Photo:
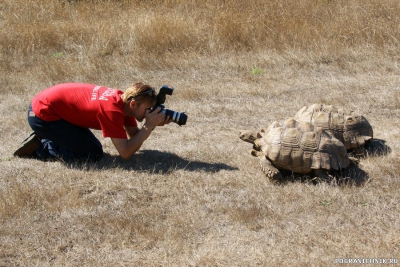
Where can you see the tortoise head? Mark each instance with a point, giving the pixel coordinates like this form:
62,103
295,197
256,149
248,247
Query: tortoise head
360,124
249,135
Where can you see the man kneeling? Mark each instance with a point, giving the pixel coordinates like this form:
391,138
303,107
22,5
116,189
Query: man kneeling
60,117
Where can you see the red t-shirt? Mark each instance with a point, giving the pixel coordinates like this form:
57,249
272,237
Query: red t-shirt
84,105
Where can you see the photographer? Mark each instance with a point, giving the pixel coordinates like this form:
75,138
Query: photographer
61,116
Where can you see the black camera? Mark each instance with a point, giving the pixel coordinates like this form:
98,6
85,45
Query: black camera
177,117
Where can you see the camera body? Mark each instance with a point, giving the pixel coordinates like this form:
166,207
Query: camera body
179,118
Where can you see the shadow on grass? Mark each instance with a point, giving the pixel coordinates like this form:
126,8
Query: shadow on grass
378,148
150,161
351,176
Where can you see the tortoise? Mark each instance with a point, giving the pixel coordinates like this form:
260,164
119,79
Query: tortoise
352,129
296,147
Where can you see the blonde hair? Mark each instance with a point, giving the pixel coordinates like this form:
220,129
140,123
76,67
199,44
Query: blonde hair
136,89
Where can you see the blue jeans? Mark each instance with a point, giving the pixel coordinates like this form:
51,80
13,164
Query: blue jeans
61,139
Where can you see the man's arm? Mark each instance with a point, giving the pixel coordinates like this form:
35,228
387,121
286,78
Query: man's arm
131,131
127,147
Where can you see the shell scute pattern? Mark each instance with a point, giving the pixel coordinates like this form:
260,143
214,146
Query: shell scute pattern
294,146
317,139
352,129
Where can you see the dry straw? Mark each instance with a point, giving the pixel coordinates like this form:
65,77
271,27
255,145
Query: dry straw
193,196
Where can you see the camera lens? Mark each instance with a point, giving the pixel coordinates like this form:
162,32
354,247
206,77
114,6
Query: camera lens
178,117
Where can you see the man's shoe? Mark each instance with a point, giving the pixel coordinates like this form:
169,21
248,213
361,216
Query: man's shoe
28,147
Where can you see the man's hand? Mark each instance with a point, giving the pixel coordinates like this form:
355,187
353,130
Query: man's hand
153,119
167,120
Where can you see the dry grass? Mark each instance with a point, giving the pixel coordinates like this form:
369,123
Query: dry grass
194,196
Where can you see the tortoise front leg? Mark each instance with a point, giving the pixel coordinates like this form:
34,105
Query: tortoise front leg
270,170
323,175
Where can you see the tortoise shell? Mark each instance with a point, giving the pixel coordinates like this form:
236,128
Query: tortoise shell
352,129
297,147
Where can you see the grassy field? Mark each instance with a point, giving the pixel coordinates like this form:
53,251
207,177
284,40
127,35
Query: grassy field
193,195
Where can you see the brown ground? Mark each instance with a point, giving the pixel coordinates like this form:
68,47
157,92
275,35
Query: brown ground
193,196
